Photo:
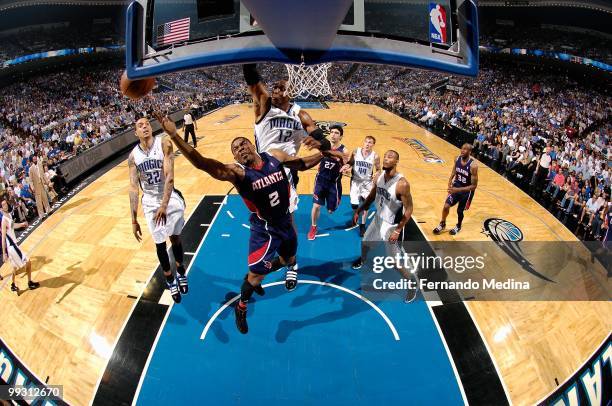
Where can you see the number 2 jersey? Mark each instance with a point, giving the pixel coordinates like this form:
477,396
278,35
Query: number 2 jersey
150,167
280,129
265,190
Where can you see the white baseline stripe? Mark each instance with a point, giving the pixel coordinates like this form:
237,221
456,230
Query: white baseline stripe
246,226
448,353
229,213
310,282
351,228
322,235
371,215
161,328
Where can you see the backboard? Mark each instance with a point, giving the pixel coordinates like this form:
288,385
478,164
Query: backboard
166,36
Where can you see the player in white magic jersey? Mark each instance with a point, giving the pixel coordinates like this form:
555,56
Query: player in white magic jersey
151,166
363,163
393,208
280,124
11,251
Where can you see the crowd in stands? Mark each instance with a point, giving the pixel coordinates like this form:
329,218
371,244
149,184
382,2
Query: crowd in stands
57,116
44,39
514,113
548,39
519,116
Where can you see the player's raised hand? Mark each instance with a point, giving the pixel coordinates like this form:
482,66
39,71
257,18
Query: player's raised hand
167,124
160,216
346,168
137,231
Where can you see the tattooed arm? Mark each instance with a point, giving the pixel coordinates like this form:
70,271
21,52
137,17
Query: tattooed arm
133,192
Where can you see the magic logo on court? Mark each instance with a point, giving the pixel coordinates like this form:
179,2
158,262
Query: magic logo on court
326,125
508,236
421,149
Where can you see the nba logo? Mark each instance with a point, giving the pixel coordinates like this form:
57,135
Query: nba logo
437,23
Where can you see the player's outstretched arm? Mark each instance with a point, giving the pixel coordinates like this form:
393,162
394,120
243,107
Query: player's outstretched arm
316,136
403,193
294,162
304,163
133,193
261,97
218,170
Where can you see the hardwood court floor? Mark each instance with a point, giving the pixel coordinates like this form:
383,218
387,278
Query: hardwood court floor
92,269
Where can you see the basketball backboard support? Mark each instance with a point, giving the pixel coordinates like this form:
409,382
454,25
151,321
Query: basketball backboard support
165,36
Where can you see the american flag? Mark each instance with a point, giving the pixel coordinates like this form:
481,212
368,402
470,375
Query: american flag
172,32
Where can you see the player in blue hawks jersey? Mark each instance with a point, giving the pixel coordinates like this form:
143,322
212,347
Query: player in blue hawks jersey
261,180
461,187
328,182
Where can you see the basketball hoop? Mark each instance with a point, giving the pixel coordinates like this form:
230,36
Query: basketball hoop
308,80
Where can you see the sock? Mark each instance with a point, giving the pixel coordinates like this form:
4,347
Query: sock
293,267
246,291
162,255
177,251
180,269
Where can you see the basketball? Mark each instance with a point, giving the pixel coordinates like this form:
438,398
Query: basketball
136,89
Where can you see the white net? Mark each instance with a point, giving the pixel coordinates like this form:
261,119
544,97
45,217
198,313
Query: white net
308,80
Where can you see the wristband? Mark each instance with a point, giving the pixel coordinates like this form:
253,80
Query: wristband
134,222
397,232
251,76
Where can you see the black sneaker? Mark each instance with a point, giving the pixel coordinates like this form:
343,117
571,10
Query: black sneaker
259,290
182,283
291,278
439,229
174,290
33,285
455,230
14,287
362,230
241,321
357,264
